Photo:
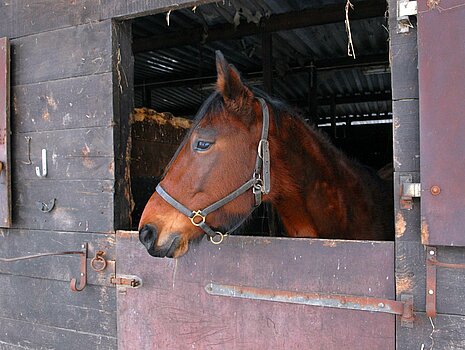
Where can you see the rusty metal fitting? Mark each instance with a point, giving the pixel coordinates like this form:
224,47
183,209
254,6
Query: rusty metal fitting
98,262
435,190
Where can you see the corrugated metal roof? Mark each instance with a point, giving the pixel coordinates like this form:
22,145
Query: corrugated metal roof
292,51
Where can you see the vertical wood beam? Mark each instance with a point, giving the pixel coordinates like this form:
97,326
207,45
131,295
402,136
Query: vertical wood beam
312,94
147,97
123,104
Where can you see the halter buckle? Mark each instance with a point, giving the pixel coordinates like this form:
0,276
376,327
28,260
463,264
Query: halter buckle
197,214
220,240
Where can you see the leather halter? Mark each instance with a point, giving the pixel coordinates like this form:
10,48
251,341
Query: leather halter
259,183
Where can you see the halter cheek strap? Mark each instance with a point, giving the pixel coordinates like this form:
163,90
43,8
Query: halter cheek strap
259,183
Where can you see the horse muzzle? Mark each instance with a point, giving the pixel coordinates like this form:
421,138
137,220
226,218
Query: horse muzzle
148,236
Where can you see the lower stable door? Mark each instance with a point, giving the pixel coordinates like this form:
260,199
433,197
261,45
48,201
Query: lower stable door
257,293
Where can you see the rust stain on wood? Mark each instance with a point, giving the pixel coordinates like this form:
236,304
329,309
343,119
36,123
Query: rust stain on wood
424,232
400,225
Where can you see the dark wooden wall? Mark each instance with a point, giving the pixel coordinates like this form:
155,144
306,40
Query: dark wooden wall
71,94
447,329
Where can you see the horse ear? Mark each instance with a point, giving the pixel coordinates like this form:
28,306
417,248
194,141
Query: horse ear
229,82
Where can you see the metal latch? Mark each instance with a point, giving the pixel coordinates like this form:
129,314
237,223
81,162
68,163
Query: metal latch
405,8
409,190
126,281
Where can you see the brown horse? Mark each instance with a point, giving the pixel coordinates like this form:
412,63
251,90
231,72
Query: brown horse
216,179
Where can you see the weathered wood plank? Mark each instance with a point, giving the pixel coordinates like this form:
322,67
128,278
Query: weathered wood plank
64,53
51,303
406,135
5,131
16,243
43,15
443,332
123,105
80,205
119,8
7,19
28,335
71,154
78,102
404,71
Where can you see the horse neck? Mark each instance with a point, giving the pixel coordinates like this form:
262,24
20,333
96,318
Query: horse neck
307,180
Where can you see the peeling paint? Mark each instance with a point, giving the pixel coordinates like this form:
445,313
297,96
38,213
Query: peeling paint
51,102
401,225
424,232
330,243
46,115
403,284
432,4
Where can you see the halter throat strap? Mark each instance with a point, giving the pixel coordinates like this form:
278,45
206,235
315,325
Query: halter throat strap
259,183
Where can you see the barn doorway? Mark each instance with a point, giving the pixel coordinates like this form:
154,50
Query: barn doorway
299,53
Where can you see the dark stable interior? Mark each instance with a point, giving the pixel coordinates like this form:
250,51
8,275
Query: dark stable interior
295,50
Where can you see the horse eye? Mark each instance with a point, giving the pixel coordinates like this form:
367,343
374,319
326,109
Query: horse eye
202,145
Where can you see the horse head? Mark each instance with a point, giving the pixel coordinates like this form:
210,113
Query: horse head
215,179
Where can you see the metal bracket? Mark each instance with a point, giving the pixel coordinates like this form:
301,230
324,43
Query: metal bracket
83,265
405,8
409,190
83,272
46,207
403,308
431,269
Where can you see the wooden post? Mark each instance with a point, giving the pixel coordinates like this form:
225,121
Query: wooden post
312,94
333,116
147,96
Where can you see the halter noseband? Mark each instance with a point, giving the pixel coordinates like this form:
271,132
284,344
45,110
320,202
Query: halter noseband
259,183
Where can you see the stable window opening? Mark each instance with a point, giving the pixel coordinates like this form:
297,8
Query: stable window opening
295,51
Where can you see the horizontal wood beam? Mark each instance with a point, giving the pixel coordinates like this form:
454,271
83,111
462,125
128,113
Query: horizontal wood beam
378,96
320,65
286,21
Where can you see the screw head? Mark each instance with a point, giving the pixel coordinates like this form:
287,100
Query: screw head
431,252
430,292
381,305
435,190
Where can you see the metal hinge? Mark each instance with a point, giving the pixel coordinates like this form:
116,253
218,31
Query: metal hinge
405,8
431,266
408,191
126,281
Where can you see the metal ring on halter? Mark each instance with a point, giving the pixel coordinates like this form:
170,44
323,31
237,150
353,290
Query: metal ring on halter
197,214
257,188
217,234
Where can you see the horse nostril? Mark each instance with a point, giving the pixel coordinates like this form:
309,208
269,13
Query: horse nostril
148,235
